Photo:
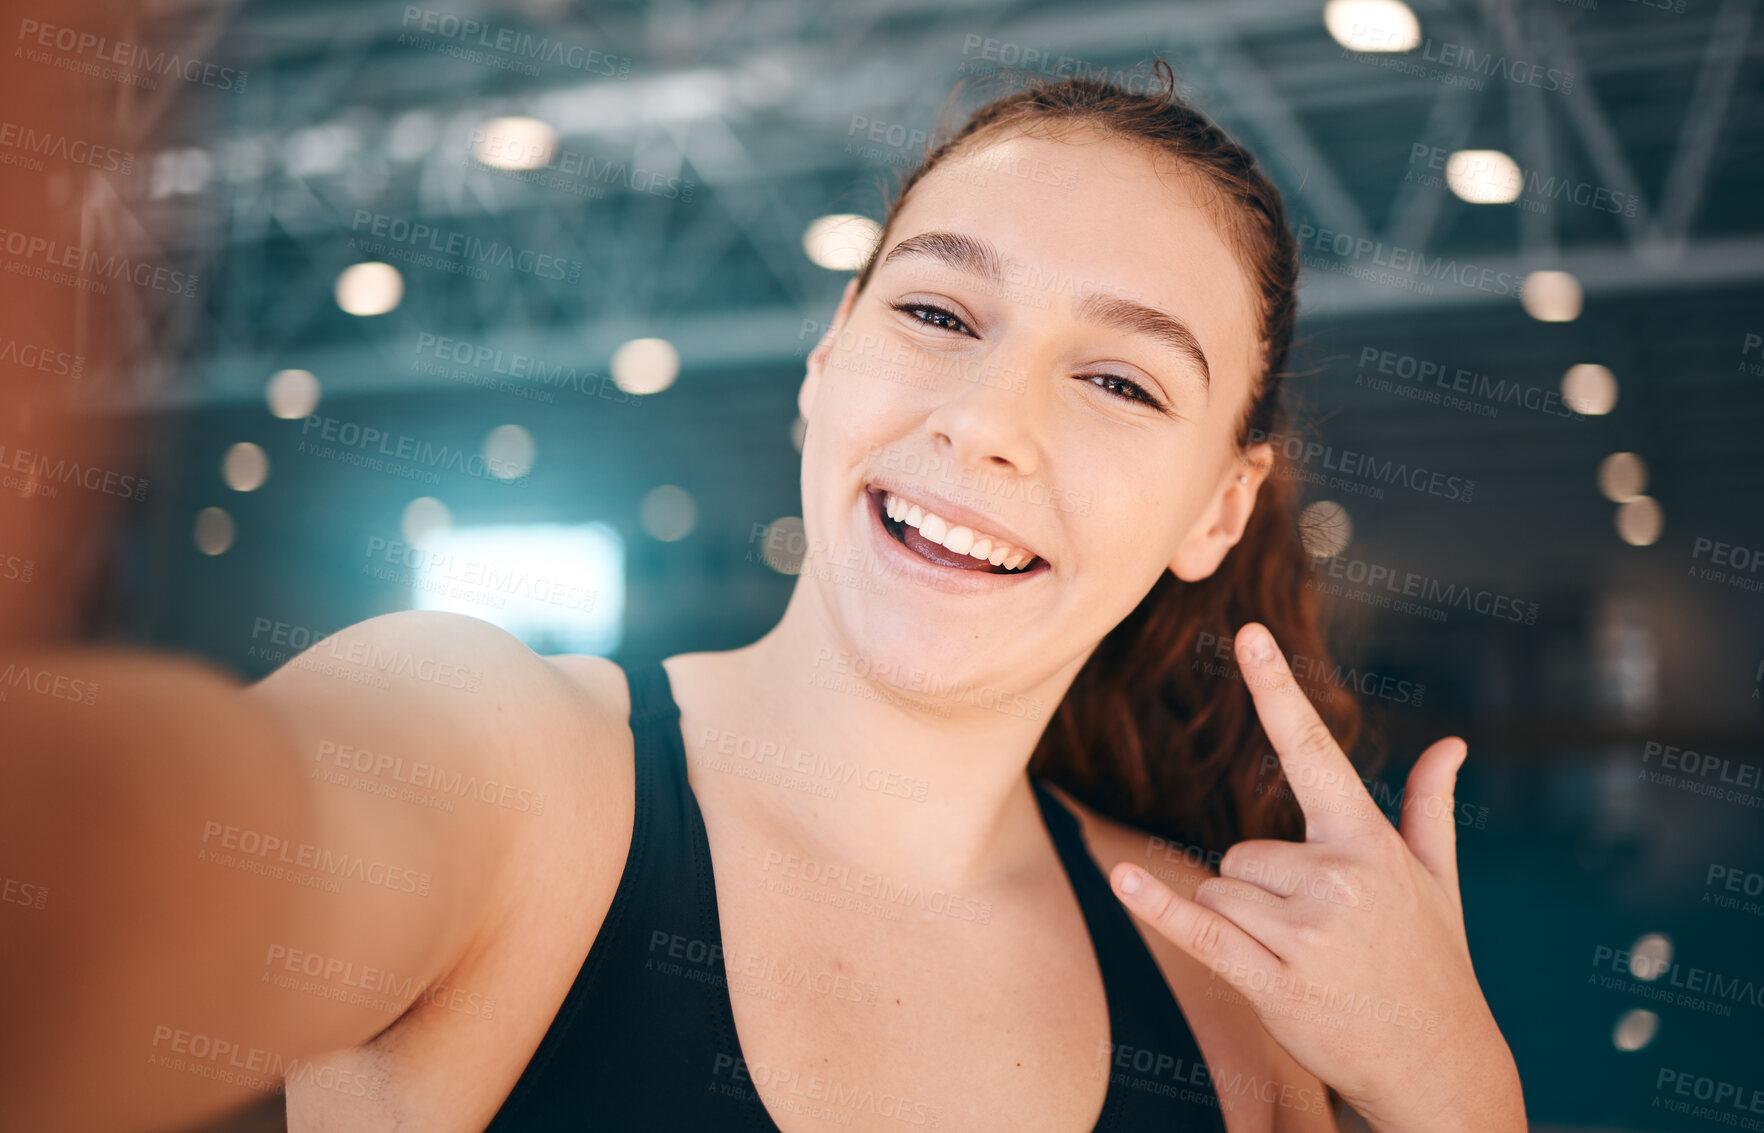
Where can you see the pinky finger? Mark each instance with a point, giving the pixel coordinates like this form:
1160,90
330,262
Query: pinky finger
1214,940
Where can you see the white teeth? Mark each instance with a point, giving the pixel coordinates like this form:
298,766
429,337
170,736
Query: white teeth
961,540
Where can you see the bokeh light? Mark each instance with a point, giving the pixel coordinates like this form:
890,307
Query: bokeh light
1640,521
1372,25
214,531
245,467
371,288
510,450
1590,389
292,394
645,365
1635,1029
669,513
1650,956
841,241
1484,177
1551,296
1325,529
1623,476
514,143
423,518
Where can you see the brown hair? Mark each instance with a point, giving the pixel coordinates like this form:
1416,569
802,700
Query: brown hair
1158,729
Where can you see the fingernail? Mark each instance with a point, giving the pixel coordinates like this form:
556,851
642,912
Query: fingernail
1130,881
1260,643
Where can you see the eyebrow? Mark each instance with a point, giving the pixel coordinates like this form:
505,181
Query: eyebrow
974,256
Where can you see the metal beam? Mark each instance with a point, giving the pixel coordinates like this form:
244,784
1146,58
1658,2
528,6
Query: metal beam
1595,130
1251,93
1689,171
1417,207
1604,270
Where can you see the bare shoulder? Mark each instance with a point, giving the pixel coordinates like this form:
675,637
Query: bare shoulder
602,696
1260,1085
523,769
601,681
544,740
599,710
451,671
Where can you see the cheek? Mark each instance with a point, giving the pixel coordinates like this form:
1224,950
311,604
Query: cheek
868,393
850,424
1137,528
1141,504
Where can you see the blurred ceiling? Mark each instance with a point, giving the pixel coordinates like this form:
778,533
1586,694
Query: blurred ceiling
357,115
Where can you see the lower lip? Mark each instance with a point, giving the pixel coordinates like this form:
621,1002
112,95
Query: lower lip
898,558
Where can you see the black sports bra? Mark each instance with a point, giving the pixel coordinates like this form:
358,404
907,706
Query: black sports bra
645,1039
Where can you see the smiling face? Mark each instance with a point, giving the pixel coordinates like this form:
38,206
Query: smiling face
1056,364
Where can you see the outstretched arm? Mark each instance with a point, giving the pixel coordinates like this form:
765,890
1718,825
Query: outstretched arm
198,847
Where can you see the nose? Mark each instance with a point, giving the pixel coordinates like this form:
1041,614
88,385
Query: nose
986,420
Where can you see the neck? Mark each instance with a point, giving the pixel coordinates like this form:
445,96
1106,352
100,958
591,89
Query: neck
926,776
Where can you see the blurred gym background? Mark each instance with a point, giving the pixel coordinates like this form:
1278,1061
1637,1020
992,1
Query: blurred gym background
502,308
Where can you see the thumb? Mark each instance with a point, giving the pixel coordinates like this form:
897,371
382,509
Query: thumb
1429,819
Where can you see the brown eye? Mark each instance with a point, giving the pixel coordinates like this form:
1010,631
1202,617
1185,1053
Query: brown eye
934,316
1125,388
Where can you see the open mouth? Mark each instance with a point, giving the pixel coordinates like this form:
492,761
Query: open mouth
939,541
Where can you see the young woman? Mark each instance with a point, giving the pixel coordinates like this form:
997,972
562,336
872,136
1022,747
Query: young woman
809,883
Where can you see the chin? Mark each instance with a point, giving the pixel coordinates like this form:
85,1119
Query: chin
925,657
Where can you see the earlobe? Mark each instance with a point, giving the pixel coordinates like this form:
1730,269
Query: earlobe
1223,524
1201,555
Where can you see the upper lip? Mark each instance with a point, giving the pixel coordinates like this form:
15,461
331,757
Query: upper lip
952,511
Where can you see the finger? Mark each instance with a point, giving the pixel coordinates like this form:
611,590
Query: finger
1295,870
1429,819
1323,780
1212,939
1259,913
1279,867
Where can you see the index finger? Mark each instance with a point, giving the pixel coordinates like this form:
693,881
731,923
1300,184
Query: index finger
1323,780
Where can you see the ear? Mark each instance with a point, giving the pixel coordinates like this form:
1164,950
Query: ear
817,359
1222,524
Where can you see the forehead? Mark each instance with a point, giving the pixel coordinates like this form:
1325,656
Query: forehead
1086,214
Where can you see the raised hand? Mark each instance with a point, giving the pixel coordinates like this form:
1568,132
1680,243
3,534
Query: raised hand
1350,945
